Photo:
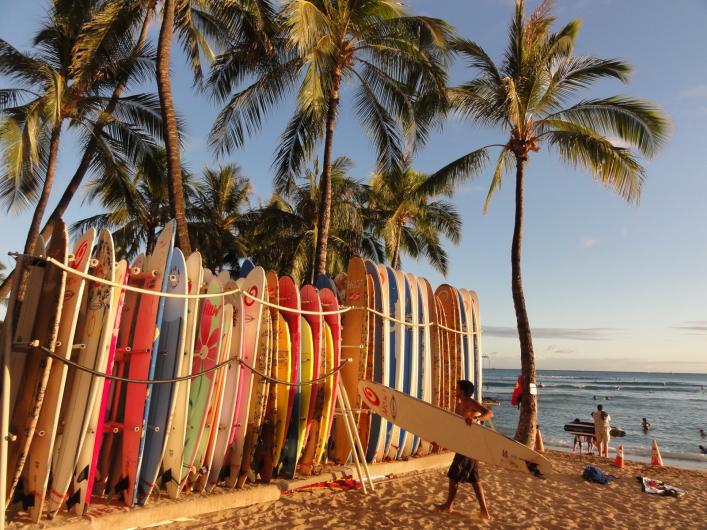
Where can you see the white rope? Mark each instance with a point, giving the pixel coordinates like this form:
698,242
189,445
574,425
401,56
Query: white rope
132,288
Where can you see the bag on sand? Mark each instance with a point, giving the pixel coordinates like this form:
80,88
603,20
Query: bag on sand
594,474
658,487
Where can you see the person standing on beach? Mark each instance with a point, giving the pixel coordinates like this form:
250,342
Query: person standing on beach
602,430
463,468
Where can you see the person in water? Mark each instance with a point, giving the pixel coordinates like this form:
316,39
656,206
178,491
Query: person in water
703,449
645,425
702,433
463,468
602,430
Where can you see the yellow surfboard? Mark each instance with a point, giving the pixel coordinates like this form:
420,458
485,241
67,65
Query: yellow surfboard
327,388
284,373
307,369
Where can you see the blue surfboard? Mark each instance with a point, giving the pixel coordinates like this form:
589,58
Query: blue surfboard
392,364
407,363
246,267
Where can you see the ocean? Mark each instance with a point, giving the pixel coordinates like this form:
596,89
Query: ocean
674,404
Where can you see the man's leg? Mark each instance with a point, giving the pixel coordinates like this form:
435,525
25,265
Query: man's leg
479,490
447,506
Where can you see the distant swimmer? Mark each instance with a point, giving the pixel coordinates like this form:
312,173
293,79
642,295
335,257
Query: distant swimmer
702,433
703,449
607,398
645,424
594,398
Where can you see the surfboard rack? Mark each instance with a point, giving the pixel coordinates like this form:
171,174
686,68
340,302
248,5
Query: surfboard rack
357,453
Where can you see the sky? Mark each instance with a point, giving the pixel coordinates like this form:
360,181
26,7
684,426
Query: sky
608,286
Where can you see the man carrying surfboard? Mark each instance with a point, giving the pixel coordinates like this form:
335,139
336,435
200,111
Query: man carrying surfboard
465,469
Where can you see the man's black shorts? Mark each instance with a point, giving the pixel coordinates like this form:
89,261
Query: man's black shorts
464,469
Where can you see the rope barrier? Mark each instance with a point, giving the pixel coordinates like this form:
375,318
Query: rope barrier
139,290
35,344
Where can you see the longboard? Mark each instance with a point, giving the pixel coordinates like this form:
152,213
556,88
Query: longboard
478,354
85,469
172,471
254,285
283,372
354,345
396,337
45,329
94,332
449,430
168,366
39,457
584,428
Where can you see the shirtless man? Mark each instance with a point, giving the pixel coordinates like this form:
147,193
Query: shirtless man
464,469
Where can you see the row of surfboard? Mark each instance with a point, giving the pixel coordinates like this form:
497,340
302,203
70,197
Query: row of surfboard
211,421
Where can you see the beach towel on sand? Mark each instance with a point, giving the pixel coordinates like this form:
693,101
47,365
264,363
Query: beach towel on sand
658,487
594,474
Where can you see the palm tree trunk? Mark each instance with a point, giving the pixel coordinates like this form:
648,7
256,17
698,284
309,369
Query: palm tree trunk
85,163
325,184
527,421
395,259
169,123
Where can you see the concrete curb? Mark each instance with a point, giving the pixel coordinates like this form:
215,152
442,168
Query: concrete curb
165,510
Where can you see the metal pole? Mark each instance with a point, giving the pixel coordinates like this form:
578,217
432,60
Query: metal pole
357,439
7,332
346,412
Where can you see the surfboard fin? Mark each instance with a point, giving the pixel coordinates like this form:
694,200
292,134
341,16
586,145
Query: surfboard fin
83,475
27,501
121,485
165,477
74,499
534,470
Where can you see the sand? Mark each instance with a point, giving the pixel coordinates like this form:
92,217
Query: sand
564,500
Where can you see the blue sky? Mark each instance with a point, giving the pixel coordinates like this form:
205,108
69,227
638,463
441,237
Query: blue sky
608,286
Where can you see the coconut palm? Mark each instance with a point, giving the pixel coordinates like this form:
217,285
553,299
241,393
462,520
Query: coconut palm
202,27
533,95
136,204
283,233
221,199
55,90
409,221
395,63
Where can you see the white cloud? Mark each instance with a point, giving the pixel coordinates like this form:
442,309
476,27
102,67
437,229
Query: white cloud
697,91
589,242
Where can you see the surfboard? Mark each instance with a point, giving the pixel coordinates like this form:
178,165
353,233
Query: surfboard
354,346
448,299
172,471
84,471
203,461
396,309
283,373
37,366
254,285
265,452
168,366
449,430
93,331
311,302
207,350
332,330
434,353
445,356
425,367
36,473
410,362
144,343
232,374
467,354
478,353
468,337
258,399
364,420
289,297
246,267
584,428
378,349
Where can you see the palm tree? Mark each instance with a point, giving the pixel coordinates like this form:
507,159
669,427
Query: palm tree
137,204
221,200
530,96
200,26
57,88
395,62
282,235
410,221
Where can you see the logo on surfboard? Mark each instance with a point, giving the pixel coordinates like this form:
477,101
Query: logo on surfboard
371,396
253,291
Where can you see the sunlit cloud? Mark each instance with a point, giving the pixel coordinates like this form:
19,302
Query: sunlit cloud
589,242
697,91
553,333
693,327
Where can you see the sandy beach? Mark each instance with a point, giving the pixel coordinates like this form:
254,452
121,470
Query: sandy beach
564,500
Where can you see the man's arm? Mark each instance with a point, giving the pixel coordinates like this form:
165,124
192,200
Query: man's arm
475,411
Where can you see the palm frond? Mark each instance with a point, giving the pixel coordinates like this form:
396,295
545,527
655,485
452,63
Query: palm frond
503,164
465,167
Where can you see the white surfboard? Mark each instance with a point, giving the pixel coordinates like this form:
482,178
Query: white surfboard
451,431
